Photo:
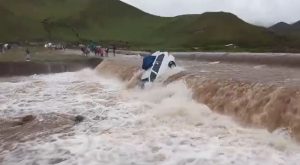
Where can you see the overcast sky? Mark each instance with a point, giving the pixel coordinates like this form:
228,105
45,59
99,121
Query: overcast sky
260,12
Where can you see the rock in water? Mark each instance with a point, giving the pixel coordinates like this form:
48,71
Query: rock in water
78,119
27,119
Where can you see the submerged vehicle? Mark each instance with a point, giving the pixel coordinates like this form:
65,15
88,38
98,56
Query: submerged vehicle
155,65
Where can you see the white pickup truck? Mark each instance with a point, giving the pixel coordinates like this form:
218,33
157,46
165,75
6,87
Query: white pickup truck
155,65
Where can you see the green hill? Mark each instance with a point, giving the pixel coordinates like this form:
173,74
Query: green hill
114,21
219,29
74,19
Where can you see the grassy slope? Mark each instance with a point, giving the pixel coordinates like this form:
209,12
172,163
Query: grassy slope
211,29
112,20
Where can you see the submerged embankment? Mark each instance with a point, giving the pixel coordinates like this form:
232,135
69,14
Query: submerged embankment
273,59
255,95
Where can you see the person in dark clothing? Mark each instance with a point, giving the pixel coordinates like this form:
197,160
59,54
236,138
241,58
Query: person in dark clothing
8,47
28,55
82,50
106,52
114,49
1,48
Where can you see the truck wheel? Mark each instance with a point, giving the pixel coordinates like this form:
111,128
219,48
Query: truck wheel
172,64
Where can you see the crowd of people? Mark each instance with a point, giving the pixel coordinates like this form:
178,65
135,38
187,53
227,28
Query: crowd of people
87,50
97,50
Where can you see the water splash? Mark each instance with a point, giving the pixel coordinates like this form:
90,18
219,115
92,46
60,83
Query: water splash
162,125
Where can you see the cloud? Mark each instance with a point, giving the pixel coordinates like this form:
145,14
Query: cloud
260,12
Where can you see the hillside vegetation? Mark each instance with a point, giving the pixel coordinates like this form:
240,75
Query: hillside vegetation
112,21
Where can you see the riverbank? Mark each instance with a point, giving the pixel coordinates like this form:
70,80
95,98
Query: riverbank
43,61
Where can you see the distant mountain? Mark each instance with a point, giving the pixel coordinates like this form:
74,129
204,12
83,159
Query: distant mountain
296,25
286,29
290,31
281,27
295,32
114,21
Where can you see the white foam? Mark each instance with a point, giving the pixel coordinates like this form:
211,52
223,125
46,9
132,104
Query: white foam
161,125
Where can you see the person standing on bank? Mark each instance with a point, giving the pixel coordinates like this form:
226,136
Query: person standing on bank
114,49
28,55
106,52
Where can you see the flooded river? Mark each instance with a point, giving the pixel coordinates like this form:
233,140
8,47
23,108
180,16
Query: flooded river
161,125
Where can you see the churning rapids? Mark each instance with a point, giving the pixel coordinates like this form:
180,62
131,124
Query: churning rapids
161,125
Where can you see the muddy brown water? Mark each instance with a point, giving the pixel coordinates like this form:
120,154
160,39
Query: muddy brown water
255,95
164,124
